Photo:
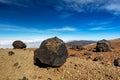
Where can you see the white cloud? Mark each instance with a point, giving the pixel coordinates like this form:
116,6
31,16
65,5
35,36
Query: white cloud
100,28
24,29
99,23
15,2
112,6
17,28
63,29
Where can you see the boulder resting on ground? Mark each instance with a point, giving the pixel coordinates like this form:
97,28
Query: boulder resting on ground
103,46
51,52
19,44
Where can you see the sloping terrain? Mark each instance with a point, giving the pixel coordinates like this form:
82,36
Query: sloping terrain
81,42
107,56
19,66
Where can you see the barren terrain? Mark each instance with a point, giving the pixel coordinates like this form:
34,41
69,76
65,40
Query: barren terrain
19,66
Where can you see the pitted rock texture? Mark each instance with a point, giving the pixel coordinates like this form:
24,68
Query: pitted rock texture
52,52
19,44
103,46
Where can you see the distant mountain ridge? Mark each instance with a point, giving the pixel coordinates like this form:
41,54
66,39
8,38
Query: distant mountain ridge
80,42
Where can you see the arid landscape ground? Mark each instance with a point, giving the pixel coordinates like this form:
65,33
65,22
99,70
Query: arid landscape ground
78,66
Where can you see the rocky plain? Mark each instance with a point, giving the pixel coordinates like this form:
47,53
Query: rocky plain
89,62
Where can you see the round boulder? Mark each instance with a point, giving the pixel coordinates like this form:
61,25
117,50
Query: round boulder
117,62
19,45
103,46
52,52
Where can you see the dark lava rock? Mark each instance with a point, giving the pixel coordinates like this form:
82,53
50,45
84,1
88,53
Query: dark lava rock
117,62
77,47
52,52
49,79
103,46
98,58
87,53
16,64
24,78
73,55
10,53
19,45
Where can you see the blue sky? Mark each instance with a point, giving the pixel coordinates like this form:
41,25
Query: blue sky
67,19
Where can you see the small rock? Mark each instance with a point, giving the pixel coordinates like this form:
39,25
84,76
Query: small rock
19,67
87,53
24,78
117,62
49,79
72,55
98,58
59,69
10,53
40,77
16,64
48,68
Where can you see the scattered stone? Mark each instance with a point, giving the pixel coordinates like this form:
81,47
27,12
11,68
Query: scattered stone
110,77
19,67
76,66
117,62
98,58
77,47
24,78
72,55
16,64
87,53
103,46
40,77
73,47
48,68
59,69
10,53
19,45
52,52
49,79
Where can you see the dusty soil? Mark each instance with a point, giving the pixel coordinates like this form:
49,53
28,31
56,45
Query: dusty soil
79,67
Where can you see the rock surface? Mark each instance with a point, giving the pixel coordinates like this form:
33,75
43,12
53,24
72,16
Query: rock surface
52,52
103,46
19,44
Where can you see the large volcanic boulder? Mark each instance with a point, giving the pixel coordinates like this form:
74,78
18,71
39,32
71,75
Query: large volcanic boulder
19,45
52,52
103,46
